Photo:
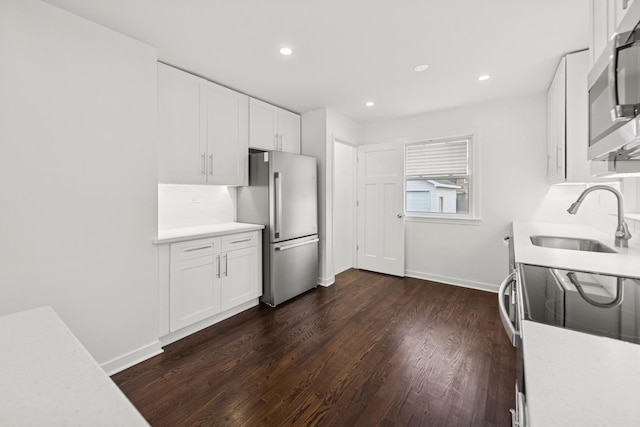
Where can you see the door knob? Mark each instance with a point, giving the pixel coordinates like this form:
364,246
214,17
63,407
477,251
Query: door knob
400,215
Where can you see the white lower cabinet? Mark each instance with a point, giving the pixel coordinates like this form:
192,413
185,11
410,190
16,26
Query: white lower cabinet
238,277
212,275
195,290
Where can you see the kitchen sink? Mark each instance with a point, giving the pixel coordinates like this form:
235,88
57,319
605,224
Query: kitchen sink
571,243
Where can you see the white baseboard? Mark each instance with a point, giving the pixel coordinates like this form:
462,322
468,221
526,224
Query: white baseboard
453,281
188,330
132,358
143,353
326,281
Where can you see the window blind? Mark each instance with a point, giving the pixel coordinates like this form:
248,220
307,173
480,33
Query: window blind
438,159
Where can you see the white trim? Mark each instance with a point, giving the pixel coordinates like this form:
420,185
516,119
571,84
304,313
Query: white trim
453,281
191,329
344,141
326,282
443,219
134,357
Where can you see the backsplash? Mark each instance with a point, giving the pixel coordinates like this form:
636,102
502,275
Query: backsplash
193,205
601,209
598,210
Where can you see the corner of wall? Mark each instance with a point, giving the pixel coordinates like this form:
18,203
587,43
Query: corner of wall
132,358
326,281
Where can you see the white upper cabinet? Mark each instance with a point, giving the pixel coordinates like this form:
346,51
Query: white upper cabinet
567,121
605,16
263,125
556,140
289,125
203,131
227,136
272,128
180,127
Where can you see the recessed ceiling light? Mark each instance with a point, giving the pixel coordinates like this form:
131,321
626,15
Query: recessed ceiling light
286,51
420,67
484,77
369,104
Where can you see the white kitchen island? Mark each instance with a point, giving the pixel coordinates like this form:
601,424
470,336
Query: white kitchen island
48,378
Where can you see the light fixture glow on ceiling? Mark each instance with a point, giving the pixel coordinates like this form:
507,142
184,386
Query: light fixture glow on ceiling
286,51
484,77
421,67
369,104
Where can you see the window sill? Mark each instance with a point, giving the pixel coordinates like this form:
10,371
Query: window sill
443,219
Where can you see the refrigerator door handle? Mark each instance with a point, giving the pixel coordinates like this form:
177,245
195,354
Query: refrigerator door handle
277,178
308,242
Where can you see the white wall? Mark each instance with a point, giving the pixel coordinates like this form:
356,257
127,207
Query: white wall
78,179
319,130
513,187
193,205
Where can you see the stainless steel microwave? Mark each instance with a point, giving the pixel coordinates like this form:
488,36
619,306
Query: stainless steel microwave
614,94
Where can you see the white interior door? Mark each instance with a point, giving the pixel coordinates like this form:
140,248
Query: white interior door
380,208
344,207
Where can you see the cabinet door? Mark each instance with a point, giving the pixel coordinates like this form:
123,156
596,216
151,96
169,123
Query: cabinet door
263,125
556,126
621,6
289,131
227,136
577,118
194,290
181,129
240,277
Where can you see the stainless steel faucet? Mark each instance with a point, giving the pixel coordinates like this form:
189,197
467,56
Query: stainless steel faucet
622,232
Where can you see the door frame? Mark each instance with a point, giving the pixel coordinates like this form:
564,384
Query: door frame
354,213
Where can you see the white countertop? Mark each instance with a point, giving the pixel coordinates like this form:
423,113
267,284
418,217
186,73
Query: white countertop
573,378
624,263
48,378
170,235
576,379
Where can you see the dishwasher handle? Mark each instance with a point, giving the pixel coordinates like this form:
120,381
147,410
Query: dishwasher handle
512,332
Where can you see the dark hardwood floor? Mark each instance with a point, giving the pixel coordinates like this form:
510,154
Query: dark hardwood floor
369,350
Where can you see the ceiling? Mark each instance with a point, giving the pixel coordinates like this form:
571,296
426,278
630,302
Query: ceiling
348,52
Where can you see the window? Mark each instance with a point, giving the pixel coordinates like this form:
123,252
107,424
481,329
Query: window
438,179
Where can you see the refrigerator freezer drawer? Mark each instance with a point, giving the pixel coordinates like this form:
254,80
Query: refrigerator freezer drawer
293,269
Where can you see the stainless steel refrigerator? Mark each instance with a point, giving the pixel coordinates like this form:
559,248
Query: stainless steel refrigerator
282,195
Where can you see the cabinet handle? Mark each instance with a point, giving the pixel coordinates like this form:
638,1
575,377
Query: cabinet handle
225,265
625,4
241,241
275,141
198,248
210,164
280,138
559,158
218,266
203,164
